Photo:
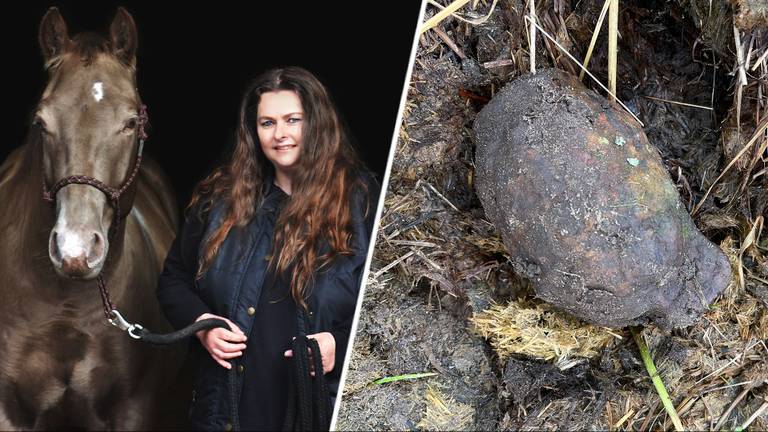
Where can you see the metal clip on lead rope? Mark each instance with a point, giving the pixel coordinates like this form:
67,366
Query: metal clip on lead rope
118,321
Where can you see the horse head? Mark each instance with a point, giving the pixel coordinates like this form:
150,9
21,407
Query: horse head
90,122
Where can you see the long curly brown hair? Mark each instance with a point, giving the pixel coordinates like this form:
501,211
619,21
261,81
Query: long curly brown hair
317,216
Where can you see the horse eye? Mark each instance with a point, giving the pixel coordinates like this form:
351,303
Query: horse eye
131,124
39,123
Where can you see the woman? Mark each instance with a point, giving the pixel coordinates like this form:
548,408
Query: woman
282,229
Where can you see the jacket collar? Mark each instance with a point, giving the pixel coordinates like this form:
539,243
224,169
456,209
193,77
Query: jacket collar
274,198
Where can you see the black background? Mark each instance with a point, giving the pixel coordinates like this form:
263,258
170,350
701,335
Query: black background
195,58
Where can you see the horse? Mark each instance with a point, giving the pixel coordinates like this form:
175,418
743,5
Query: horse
65,222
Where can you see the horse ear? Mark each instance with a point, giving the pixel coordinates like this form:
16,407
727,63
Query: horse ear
124,37
53,34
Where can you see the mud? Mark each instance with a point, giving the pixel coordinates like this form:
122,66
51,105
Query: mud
399,337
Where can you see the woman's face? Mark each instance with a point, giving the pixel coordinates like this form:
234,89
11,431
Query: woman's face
278,123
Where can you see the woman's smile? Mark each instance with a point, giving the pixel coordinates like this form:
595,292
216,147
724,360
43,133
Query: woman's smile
285,147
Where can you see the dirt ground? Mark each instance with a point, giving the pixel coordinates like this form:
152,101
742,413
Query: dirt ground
441,279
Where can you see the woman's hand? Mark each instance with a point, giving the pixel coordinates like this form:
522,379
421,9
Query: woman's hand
327,349
221,343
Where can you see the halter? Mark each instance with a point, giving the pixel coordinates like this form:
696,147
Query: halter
113,197
134,330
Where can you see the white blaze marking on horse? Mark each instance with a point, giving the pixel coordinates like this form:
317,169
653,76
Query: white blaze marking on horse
98,91
72,246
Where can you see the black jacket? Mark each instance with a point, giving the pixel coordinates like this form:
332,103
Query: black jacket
232,286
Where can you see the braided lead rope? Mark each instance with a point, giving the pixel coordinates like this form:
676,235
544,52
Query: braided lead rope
105,300
301,417
320,395
309,399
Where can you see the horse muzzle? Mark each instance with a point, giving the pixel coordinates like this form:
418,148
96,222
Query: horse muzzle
78,244
77,253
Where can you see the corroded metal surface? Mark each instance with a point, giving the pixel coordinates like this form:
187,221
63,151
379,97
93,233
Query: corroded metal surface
582,199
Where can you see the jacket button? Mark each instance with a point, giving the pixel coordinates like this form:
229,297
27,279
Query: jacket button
240,368
251,311
228,427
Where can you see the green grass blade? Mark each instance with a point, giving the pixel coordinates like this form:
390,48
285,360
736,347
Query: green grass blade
404,377
657,383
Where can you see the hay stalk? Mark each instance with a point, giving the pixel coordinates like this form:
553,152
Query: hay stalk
443,14
532,35
613,50
592,42
760,129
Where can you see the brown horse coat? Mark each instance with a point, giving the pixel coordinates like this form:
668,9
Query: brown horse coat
61,364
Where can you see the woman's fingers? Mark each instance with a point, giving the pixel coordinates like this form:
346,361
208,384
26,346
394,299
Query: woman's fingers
327,345
222,344
234,327
225,365
227,347
225,355
227,335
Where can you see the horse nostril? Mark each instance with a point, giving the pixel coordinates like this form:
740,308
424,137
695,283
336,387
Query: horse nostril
96,253
53,247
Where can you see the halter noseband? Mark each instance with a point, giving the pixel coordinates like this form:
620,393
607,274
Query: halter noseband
113,194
